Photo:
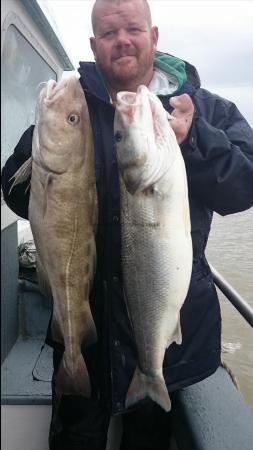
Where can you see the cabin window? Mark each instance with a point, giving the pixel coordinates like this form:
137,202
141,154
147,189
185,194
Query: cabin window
23,69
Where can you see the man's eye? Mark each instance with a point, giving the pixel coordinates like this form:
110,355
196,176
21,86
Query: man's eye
109,33
134,30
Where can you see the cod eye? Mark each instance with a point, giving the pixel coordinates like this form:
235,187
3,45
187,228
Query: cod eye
118,136
73,119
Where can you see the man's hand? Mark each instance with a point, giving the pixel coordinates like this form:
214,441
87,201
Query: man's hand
181,116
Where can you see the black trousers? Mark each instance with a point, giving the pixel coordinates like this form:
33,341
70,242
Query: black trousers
82,424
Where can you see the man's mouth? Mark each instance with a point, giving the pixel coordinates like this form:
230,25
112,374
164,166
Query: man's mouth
122,57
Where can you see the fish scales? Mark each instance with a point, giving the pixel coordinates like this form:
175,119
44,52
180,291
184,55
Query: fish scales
156,238
62,214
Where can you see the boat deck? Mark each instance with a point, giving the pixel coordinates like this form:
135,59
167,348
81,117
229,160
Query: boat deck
211,414
27,373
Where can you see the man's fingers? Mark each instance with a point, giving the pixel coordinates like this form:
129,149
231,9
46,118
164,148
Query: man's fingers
181,116
182,104
175,124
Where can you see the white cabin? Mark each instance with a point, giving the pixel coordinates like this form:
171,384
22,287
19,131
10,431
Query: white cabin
31,53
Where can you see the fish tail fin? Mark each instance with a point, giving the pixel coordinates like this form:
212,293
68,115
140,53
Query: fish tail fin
73,379
22,174
143,386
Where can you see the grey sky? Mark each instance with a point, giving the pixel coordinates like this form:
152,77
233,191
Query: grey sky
216,36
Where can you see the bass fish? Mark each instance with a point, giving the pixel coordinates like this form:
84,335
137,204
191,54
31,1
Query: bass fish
62,214
156,235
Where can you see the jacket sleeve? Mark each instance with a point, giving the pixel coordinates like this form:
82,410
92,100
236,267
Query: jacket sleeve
218,156
18,198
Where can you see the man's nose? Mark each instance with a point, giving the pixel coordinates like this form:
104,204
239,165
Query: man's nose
123,37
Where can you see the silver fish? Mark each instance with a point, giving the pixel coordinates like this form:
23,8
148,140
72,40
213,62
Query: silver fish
62,214
156,235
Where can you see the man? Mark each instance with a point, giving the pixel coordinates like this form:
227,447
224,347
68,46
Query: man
217,146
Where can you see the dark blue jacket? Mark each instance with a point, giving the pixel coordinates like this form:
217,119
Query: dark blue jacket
219,161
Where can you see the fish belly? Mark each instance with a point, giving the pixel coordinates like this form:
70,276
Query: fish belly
157,259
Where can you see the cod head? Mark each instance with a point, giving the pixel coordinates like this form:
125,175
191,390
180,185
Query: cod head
61,125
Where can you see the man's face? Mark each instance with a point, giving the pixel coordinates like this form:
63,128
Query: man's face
124,44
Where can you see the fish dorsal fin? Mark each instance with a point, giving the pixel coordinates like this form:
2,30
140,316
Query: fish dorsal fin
49,179
22,174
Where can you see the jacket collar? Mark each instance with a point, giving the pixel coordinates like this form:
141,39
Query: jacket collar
93,83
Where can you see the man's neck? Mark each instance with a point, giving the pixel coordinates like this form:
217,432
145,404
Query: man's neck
130,87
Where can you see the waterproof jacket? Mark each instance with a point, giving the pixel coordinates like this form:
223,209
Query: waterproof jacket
218,155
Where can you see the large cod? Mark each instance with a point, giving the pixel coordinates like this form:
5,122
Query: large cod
156,235
62,214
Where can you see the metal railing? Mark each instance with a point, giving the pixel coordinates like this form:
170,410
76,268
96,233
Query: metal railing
232,295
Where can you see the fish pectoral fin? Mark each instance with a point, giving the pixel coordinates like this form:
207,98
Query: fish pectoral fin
56,331
22,174
48,183
89,332
143,386
73,378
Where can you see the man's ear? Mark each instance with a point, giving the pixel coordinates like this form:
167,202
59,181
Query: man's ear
93,46
154,35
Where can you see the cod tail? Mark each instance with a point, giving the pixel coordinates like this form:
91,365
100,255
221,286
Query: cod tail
73,379
143,386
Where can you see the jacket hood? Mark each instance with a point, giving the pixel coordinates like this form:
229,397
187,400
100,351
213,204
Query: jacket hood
172,66
93,83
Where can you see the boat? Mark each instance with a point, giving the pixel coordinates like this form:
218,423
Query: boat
209,415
